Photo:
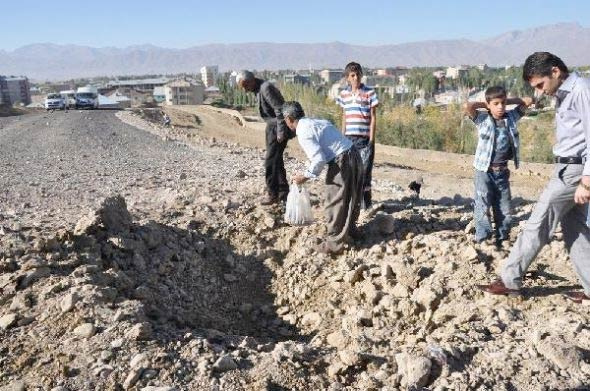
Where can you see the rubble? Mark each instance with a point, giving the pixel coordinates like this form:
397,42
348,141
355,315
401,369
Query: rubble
165,284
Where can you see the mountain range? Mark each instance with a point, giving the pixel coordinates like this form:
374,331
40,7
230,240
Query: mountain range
47,61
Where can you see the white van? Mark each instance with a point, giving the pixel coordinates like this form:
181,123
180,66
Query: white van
87,97
54,101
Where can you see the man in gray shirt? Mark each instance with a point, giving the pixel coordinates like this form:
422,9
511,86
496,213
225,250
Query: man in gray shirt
566,197
270,102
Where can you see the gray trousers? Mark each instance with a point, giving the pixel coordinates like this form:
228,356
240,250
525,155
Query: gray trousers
555,205
344,183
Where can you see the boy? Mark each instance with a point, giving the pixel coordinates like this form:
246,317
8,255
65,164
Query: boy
359,121
497,144
324,145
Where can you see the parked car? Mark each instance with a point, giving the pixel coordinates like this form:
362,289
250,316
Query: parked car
54,101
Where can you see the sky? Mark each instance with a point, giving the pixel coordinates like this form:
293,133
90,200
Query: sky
182,24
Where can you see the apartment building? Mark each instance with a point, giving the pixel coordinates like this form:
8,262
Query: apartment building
182,92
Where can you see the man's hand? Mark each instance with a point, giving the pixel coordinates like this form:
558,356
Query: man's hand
280,137
582,195
298,178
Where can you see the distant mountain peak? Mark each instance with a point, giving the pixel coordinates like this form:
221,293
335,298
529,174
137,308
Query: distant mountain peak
58,62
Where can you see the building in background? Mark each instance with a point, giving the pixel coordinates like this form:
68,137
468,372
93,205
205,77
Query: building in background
296,78
182,92
15,90
145,85
330,76
209,75
456,72
4,97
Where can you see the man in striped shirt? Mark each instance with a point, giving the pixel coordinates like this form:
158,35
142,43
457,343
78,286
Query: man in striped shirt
359,121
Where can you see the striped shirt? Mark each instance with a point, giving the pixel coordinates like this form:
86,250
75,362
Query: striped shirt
357,109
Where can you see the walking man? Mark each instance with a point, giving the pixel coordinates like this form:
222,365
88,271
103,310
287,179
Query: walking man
566,197
270,103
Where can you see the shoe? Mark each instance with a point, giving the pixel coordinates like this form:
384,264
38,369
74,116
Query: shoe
498,288
269,200
576,297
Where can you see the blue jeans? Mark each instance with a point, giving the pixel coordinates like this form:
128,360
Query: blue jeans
492,191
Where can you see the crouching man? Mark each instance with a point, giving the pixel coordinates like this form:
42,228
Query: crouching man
324,144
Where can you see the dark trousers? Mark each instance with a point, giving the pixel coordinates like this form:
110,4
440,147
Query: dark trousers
343,189
367,153
274,166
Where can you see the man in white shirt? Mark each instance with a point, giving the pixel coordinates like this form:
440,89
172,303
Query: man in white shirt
324,144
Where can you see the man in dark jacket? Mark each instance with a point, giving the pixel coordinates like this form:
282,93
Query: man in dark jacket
270,102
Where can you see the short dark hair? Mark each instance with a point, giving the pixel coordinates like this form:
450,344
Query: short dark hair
495,92
353,67
541,64
293,110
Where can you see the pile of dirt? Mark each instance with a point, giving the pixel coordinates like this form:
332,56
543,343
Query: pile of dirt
200,288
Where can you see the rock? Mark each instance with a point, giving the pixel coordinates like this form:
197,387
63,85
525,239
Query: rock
132,378
426,296
288,350
139,361
337,340
364,318
415,369
385,223
85,330
33,276
20,303
311,319
8,321
269,222
140,332
560,352
469,253
355,275
111,216
161,388
400,291
225,363
68,302
17,385
336,368
386,271
350,358
117,343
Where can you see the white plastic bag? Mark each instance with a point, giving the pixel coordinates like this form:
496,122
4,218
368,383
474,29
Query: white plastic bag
298,208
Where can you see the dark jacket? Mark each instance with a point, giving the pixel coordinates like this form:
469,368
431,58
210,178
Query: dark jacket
270,106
